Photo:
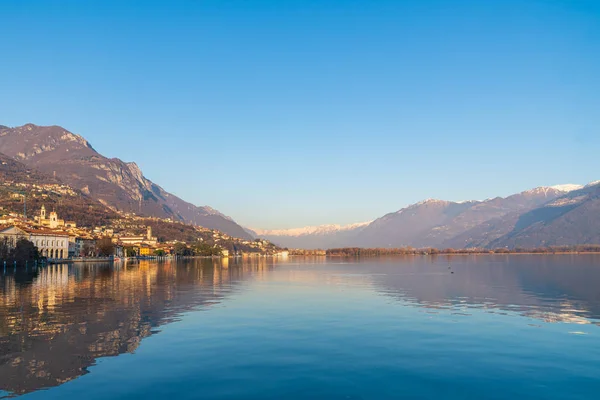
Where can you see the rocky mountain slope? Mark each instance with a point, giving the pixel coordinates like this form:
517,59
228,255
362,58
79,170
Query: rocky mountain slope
117,184
13,171
500,210
567,220
408,226
17,181
434,223
520,220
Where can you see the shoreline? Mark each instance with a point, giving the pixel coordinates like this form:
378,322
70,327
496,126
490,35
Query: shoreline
513,253
113,261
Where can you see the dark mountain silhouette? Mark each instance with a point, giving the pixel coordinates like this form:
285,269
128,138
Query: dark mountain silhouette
117,184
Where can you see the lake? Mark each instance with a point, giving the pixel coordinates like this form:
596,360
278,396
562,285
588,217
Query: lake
446,327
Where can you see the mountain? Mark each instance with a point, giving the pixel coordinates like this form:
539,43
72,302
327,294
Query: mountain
13,171
40,189
117,184
311,237
432,223
493,218
571,219
437,223
410,225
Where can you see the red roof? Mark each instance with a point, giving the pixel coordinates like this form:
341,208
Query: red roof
46,232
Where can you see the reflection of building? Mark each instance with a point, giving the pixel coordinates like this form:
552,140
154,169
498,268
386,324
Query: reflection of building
52,222
50,244
58,323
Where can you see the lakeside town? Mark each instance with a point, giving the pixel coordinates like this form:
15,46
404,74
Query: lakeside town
94,231
57,240
48,237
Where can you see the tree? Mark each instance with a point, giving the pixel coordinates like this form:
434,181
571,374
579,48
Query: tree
159,253
206,250
105,247
181,249
88,249
24,251
5,248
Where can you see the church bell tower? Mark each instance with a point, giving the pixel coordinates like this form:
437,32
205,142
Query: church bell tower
53,220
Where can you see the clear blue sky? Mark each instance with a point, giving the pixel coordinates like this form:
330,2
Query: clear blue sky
291,113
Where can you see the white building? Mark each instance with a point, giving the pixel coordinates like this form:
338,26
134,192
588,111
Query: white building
50,244
141,239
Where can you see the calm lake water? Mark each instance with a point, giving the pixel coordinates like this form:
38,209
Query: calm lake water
473,327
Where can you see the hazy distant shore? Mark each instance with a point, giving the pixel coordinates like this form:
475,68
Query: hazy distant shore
354,251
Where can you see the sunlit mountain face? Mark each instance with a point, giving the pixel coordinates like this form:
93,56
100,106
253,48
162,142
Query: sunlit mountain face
117,184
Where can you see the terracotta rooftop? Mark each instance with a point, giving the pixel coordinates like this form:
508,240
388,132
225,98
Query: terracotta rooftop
47,232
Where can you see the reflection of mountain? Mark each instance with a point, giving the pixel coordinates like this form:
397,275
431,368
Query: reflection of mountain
550,288
53,327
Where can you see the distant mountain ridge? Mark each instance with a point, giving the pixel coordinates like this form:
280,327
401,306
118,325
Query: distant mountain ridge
544,216
567,220
310,230
321,236
117,184
495,222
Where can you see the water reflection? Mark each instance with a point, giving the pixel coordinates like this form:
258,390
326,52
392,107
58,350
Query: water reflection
302,317
57,320
562,288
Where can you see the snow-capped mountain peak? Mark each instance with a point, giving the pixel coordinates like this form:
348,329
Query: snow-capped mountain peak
426,201
310,230
568,187
545,190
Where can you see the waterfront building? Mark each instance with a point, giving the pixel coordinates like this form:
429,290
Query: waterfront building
51,244
145,250
148,239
